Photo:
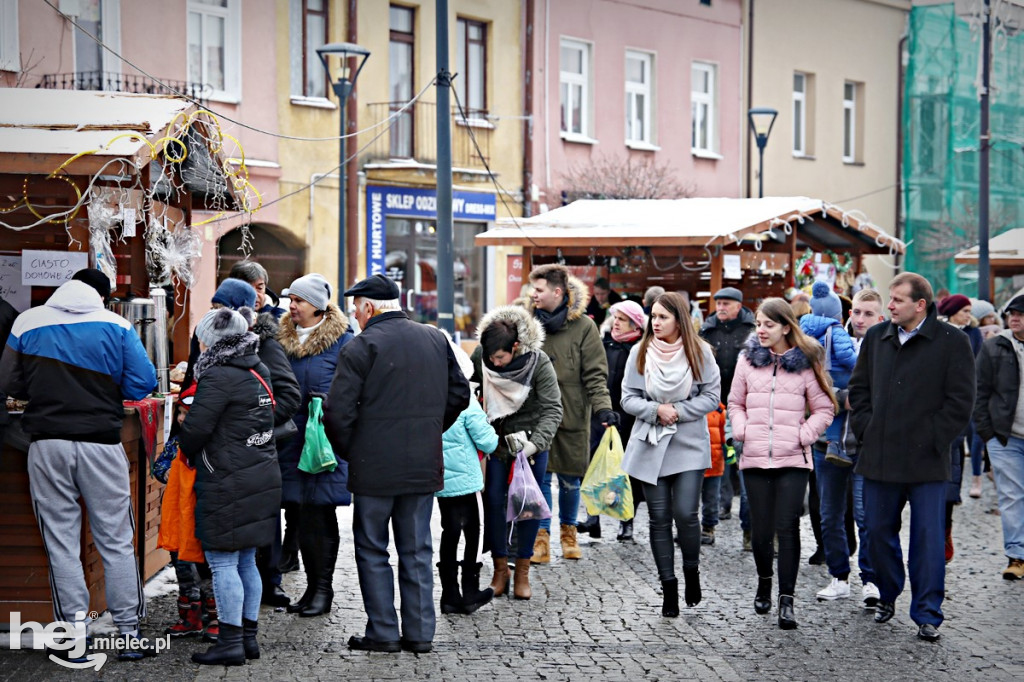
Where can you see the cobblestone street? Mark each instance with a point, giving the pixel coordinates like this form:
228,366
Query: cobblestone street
599,618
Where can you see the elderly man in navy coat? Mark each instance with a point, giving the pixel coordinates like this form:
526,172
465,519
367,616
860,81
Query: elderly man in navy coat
397,388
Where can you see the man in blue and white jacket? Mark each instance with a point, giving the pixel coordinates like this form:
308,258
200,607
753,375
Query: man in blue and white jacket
75,362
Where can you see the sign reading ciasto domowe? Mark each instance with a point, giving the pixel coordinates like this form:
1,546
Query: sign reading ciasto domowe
414,202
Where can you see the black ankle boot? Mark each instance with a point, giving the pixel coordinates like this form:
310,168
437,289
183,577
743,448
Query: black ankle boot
472,596
692,591
670,605
249,644
451,598
592,525
763,596
227,651
787,620
625,531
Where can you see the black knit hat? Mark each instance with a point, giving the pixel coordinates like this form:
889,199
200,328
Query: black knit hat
97,280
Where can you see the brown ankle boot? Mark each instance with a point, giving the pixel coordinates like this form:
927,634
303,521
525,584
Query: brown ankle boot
570,548
542,548
499,583
521,589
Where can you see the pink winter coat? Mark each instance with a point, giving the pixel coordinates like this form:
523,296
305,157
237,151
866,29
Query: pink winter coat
769,397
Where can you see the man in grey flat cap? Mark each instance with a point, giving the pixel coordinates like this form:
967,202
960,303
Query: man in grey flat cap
397,388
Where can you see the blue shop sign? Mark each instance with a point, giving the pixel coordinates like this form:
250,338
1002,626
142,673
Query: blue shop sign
413,202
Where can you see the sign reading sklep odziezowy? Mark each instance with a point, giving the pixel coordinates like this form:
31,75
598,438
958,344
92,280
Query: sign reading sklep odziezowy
414,202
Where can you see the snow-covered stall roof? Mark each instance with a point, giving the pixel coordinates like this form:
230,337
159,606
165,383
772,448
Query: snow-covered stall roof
1006,249
690,222
41,128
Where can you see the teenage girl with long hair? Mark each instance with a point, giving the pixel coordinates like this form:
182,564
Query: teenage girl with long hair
780,403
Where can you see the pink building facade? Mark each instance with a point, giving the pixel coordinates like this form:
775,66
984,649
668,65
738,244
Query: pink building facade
655,81
213,51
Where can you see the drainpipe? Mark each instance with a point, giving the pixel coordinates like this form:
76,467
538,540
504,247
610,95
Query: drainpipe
750,85
353,226
529,8
902,71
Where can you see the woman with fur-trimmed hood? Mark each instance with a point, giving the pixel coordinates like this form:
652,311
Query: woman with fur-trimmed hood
312,335
524,405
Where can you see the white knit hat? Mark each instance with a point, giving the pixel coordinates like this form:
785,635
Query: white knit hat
222,323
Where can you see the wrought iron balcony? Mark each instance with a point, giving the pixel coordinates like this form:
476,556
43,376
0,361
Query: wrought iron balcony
110,81
413,136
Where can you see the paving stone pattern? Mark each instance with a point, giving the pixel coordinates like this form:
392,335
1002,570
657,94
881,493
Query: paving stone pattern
599,619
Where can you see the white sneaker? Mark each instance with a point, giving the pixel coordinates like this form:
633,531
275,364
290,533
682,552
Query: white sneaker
871,595
837,589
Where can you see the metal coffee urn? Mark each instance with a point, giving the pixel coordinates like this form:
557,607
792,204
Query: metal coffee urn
149,318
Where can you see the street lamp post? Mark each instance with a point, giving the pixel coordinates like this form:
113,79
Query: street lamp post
761,121
343,86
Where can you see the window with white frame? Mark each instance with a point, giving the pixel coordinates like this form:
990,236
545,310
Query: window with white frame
799,114
10,58
214,46
95,67
471,64
703,109
639,97
849,122
574,86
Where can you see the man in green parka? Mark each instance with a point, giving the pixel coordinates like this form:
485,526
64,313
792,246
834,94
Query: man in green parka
559,302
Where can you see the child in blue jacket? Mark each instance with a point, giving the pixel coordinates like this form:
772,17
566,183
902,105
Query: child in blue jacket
459,502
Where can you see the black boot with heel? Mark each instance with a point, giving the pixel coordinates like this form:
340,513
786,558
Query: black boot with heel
692,593
787,619
763,596
670,603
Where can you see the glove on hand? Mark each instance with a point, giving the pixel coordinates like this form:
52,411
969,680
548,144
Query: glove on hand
516,441
529,449
609,417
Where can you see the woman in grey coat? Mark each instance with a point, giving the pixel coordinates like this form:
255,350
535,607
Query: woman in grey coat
671,383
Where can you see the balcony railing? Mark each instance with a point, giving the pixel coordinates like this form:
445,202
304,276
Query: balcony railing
413,136
110,81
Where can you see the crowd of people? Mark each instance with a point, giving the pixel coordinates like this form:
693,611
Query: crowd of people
295,411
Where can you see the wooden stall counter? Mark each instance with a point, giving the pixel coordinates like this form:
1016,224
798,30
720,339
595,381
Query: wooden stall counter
24,578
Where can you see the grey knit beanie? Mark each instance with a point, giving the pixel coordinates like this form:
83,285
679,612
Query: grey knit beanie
313,288
222,323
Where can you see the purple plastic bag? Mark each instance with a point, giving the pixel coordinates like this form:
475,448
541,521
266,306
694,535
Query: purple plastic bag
525,501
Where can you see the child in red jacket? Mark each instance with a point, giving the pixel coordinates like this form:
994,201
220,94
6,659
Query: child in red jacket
713,476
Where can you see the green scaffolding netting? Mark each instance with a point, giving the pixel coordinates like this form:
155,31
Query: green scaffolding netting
941,124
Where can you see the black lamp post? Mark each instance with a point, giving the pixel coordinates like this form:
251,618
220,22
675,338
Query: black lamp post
343,88
761,121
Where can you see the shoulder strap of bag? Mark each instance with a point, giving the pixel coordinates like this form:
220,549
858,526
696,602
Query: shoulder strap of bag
269,392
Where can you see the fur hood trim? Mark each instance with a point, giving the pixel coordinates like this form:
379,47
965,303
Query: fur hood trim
531,333
334,326
579,294
266,326
226,350
793,360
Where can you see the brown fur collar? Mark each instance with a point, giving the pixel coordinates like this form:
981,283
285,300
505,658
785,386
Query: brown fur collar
334,326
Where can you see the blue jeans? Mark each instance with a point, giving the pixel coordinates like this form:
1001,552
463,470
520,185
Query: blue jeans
495,508
883,511
568,498
1008,470
977,449
832,486
236,585
710,506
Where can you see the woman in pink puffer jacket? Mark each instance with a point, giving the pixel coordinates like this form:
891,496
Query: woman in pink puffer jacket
780,379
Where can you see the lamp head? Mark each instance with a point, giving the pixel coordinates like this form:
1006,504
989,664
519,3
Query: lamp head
346,75
761,121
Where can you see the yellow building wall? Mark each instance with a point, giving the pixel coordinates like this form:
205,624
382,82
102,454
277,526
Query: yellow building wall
312,214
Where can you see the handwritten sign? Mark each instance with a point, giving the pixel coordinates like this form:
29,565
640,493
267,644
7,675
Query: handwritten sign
11,288
50,268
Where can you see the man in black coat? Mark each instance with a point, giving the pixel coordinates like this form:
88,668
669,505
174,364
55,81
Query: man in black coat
397,388
911,394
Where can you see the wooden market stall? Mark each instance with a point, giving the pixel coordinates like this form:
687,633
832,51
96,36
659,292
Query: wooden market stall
697,245
1006,262
108,181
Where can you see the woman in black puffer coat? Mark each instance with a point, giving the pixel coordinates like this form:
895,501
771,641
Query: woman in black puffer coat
312,335
228,437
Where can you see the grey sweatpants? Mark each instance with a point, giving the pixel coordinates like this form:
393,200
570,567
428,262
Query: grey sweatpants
61,471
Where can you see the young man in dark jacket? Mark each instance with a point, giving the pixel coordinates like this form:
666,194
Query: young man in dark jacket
75,362
397,388
911,394
999,418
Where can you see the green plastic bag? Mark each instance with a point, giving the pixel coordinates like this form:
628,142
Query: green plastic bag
317,454
606,489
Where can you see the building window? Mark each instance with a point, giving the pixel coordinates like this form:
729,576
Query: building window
10,58
314,35
400,53
574,85
471,65
803,106
102,19
852,144
704,113
214,46
639,90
